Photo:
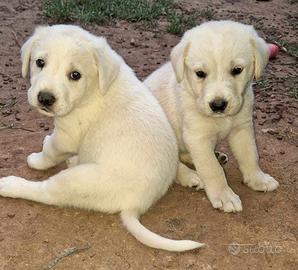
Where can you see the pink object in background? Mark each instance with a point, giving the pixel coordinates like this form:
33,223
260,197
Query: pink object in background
273,50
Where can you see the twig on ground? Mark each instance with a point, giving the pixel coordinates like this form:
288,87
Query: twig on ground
284,49
64,253
11,104
12,126
15,38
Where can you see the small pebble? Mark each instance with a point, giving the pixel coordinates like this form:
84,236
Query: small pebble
272,131
290,121
132,42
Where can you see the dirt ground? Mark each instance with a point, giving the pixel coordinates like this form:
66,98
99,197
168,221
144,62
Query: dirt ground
263,236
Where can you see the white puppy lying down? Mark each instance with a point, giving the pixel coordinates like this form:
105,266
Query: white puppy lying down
207,95
127,151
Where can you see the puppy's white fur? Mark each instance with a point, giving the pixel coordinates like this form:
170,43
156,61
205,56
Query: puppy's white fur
215,48
126,150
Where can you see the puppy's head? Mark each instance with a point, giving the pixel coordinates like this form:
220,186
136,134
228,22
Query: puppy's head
68,67
217,62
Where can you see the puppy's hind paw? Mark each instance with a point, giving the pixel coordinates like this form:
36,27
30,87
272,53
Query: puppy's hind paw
195,182
261,182
36,161
190,179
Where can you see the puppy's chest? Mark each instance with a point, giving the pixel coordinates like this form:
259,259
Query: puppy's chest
222,128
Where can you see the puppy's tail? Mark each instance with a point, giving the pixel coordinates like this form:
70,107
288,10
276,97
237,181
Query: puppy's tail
133,225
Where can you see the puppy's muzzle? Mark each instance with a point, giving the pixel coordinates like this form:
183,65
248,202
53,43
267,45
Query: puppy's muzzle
46,99
218,105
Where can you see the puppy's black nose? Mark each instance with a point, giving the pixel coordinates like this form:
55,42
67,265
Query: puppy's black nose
46,99
218,105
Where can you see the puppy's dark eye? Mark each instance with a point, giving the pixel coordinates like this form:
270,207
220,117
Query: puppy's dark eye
236,71
40,63
74,75
201,74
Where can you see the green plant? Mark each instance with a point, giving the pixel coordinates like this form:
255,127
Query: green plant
262,83
179,23
290,48
90,11
207,13
109,11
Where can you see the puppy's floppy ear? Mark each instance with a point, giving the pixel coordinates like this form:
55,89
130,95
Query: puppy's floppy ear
261,53
108,64
26,55
27,48
177,59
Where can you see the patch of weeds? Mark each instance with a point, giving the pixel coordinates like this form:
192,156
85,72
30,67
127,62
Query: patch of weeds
293,85
59,10
109,11
179,23
262,83
290,48
207,13
104,11
294,91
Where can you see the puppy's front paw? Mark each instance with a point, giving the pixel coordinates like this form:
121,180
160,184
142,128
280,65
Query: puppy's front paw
261,182
37,161
10,185
225,200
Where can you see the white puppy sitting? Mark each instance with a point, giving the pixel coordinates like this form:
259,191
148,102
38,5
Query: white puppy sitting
207,95
126,150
